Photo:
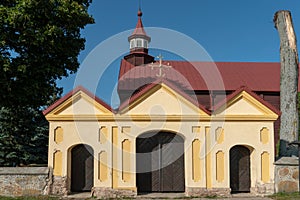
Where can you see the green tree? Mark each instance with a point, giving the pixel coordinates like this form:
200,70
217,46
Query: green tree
23,138
40,41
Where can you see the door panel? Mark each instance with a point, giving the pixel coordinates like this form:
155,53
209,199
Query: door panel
165,155
156,163
144,163
167,168
240,180
82,168
178,171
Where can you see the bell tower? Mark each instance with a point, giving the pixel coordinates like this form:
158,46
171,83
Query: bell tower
139,42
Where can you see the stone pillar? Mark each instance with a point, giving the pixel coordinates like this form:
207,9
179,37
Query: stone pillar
286,175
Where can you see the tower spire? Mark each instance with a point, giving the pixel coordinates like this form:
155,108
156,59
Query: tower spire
139,41
139,33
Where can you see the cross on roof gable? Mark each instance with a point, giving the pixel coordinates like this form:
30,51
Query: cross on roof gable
259,77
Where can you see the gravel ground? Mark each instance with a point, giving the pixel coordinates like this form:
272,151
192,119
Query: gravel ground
162,196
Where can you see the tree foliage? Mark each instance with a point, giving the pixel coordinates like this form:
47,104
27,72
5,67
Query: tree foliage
40,41
24,137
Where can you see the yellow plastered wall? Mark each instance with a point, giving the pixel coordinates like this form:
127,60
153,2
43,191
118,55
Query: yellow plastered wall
219,135
164,101
243,106
220,169
126,169
57,163
208,158
196,160
246,134
237,132
82,104
103,134
264,135
115,157
265,167
242,133
103,168
58,135
196,129
126,129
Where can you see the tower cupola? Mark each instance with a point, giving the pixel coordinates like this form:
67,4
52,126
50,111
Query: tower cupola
139,40
139,43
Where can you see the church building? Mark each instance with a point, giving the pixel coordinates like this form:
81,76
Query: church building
180,127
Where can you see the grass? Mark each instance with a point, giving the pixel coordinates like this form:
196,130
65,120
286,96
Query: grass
30,198
286,196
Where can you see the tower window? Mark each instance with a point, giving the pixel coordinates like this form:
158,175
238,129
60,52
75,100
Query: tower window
139,43
132,44
145,43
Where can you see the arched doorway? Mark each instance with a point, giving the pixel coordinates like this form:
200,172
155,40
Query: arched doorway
160,162
240,180
82,168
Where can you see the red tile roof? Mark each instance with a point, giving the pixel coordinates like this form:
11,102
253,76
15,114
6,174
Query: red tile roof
203,76
246,89
70,94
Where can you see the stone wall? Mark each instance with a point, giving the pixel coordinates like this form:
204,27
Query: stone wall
263,189
24,181
287,174
59,186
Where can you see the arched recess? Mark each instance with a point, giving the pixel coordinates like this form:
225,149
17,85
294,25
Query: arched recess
240,169
160,162
82,168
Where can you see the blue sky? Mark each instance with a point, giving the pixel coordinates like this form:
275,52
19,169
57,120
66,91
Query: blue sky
231,30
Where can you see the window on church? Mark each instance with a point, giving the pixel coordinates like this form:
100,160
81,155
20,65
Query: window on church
139,43
145,43
132,44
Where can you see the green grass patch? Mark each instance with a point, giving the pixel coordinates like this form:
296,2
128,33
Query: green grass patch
30,198
286,196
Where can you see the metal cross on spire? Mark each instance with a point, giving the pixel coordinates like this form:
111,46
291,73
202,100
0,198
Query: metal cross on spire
160,67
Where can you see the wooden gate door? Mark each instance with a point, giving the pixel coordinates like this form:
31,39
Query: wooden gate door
82,168
240,180
164,154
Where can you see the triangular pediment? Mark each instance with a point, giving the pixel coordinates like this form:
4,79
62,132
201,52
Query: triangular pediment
81,104
77,103
244,104
162,100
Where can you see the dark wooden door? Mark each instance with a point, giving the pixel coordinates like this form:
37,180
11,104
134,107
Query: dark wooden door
82,168
160,163
240,180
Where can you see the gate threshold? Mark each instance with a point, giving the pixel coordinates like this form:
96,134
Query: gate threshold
170,195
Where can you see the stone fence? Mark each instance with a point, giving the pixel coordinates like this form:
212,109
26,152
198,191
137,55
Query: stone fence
24,181
31,181
287,174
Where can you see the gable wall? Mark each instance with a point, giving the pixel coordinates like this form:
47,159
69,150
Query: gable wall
88,132
247,134
114,139
164,102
